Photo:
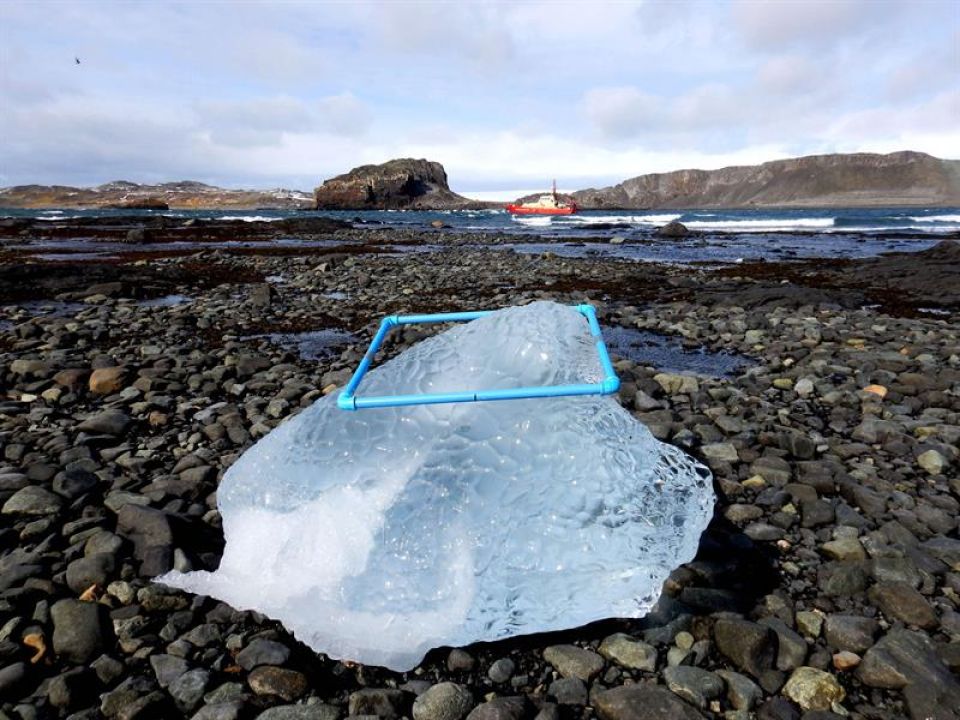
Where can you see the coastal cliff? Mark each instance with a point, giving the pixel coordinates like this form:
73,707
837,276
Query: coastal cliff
403,184
184,195
851,180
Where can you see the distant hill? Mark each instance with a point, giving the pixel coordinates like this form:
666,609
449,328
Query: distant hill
402,184
184,195
854,180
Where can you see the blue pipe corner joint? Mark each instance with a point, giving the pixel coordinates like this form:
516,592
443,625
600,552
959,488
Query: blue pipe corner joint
349,400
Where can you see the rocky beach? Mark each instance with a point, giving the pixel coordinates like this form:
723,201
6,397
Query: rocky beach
824,396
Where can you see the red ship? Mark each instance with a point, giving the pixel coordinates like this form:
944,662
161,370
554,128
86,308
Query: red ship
544,205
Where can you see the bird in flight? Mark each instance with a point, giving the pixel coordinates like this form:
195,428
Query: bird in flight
76,60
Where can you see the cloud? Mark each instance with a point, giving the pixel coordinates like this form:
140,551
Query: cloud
773,24
503,94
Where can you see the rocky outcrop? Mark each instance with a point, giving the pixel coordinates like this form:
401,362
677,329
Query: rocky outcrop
121,194
398,184
854,180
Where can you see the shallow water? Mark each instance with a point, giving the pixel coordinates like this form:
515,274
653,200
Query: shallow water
313,344
668,354
165,301
33,308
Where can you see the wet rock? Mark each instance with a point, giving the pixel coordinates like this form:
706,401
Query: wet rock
673,229
573,661
443,701
642,702
813,689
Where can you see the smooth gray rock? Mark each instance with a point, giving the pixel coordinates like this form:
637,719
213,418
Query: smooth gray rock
263,652
569,691
109,422
693,684
573,661
850,632
91,570
80,630
32,500
501,670
443,701
629,652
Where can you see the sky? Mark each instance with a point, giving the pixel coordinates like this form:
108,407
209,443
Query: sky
507,95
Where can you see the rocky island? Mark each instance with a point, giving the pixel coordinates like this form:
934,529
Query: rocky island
404,184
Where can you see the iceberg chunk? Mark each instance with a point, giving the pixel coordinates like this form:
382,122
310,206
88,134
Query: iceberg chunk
377,535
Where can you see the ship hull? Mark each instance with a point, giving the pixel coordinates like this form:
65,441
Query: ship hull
521,210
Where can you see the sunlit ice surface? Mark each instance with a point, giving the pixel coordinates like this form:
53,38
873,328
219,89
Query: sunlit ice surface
379,534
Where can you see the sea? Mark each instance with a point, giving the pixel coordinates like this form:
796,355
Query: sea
719,236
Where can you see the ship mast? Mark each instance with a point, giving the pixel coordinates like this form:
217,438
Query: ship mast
554,190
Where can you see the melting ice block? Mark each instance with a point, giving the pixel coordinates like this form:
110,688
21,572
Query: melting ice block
378,534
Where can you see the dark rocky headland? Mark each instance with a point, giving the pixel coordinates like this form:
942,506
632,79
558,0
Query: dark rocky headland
827,585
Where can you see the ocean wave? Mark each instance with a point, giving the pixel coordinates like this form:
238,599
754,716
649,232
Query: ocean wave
936,218
629,219
534,221
250,218
772,224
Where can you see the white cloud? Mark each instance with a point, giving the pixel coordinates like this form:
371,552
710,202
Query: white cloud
505,95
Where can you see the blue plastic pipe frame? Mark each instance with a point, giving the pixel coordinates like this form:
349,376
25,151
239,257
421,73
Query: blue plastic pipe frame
348,400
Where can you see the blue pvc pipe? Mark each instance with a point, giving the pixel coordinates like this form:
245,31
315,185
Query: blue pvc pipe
347,399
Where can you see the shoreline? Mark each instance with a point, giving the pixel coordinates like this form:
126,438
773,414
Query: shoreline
832,553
